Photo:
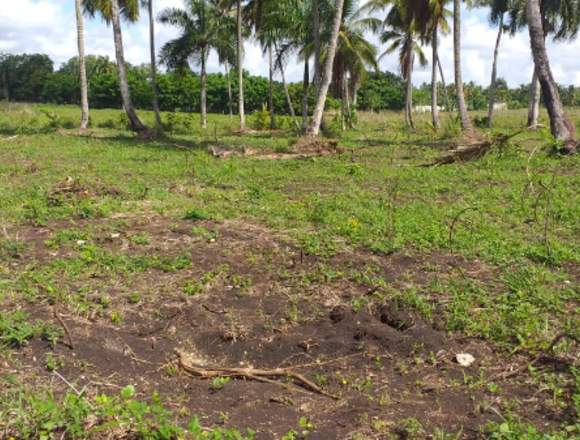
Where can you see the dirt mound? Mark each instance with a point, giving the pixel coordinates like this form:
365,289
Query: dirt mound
71,187
315,145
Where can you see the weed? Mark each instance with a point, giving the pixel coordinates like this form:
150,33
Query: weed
15,330
219,382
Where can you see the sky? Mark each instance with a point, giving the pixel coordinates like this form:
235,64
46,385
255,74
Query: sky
48,26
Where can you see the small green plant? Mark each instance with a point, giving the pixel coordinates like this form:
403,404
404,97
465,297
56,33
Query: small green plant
140,239
15,330
52,362
134,298
49,333
219,382
196,214
412,429
11,248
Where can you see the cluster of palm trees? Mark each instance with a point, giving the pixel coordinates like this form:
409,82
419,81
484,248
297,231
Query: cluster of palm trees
330,38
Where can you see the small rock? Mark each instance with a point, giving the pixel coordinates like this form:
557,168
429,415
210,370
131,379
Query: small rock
464,359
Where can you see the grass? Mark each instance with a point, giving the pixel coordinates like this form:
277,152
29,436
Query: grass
516,211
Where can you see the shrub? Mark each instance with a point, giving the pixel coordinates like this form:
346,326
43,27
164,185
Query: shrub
179,123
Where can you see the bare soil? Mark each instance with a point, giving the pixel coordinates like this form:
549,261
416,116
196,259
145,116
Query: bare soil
268,305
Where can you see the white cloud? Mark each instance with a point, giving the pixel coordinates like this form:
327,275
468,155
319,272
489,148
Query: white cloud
48,26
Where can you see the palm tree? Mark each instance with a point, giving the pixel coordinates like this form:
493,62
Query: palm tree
82,67
466,125
497,13
561,127
314,127
153,67
200,33
437,23
240,63
111,11
294,35
263,16
401,31
354,55
560,19
225,46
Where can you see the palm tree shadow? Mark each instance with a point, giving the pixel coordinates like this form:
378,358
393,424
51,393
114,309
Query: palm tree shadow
157,143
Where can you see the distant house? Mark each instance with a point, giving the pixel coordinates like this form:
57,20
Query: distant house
426,108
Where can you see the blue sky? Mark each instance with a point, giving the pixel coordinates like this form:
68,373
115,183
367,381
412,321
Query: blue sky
48,26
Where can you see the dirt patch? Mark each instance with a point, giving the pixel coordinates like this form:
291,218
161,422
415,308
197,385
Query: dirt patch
251,299
71,187
304,148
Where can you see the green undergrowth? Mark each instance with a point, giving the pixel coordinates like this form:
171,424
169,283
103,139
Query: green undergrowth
514,212
40,414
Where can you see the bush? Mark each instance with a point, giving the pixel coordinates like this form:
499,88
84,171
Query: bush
260,120
179,123
56,121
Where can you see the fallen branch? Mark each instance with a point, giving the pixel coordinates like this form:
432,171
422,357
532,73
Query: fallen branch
260,375
70,343
474,150
8,139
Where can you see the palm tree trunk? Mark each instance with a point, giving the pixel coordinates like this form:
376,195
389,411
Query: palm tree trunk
534,105
203,88
349,121
229,85
288,97
271,87
343,98
134,121
240,55
492,86
158,124
409,91
314,127
434,107
82,67
5,85
462,108
317,45
444,84
305,84
560,126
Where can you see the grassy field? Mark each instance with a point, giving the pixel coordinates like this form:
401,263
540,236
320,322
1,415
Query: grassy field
128,265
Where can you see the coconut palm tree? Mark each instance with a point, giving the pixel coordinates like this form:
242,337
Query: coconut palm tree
498,10
225,46
560,20
560,125
199,24
82,67
294,38
263,16
402,34
466,125
237,7
314,126
354,55
111,12
437,23
153,66
240,63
